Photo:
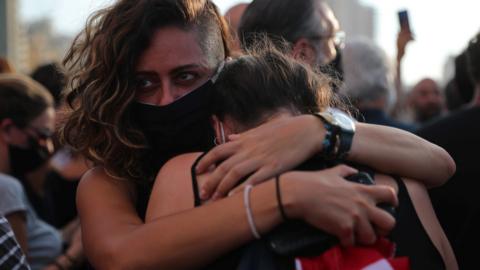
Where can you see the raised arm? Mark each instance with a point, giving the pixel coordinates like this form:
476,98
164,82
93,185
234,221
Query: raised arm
278,146
116,238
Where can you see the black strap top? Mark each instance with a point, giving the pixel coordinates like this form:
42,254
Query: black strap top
410,236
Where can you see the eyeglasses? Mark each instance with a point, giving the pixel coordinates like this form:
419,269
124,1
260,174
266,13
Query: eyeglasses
338,38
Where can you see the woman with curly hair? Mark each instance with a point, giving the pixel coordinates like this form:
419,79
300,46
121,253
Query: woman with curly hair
140,87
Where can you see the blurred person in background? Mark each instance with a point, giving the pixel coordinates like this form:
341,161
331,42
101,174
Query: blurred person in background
460,89
26,125
369,83
309,26
57,180
5,66
426,101
50,76
456,203
233,17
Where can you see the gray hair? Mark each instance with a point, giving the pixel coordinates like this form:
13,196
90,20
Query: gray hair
280,19
367,72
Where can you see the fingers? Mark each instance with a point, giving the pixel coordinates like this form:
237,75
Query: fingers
365,233
233,137
383,194
382,221
343,170
258,177
235,174
347,235
215,156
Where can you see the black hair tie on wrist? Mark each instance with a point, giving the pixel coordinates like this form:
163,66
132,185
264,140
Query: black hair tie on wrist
279,199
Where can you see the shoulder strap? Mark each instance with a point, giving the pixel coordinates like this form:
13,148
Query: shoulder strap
196,195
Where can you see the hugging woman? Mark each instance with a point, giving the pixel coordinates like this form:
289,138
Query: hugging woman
133,71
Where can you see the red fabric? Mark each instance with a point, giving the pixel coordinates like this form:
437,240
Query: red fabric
378,256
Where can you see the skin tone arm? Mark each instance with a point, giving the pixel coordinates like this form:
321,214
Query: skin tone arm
385,149
18,223
426,213
169,197
404,37
116,238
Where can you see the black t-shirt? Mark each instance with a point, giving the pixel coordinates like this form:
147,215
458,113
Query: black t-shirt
457,203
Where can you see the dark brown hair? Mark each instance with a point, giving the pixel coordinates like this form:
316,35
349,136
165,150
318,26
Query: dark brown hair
473,56
279,19
101,64
266,80
22,99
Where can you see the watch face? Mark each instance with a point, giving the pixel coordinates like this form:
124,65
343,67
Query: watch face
344,121
341,119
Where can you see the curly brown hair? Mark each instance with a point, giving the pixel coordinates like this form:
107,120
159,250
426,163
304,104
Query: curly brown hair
100,66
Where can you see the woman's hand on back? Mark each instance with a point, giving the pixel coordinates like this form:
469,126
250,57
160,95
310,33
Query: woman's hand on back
260,153
342,208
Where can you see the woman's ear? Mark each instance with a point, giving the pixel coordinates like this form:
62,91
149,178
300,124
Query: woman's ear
222,129
10,133
6,126
217,127
303,50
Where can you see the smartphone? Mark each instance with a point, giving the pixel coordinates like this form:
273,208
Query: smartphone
404,20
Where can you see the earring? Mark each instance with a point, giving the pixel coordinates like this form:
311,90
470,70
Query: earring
215,141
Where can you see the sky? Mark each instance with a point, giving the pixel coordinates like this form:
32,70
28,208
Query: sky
442,28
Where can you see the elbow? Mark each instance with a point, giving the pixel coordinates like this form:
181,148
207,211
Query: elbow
451,167
111,257
447,164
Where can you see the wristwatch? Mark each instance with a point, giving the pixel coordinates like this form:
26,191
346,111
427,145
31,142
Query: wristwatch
340,129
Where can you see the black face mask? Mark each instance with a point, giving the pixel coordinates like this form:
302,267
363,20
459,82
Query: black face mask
180,127
25,160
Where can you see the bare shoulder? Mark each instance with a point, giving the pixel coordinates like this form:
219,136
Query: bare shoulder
97,181
183,161
98,192
172,191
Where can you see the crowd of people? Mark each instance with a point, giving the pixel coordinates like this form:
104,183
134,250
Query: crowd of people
172,137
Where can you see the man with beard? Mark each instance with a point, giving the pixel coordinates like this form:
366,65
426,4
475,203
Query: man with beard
426,101
309,26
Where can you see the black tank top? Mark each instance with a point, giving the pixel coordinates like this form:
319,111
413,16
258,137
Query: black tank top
409,234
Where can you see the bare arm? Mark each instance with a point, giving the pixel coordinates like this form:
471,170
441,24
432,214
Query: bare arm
279,146
403,38
170,197
394,151
115,237
423,207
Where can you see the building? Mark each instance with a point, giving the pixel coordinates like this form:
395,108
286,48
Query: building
355,18
13,41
